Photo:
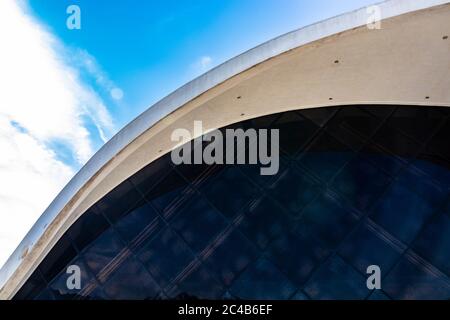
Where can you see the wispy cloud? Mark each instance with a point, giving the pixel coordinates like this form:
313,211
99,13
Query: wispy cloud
43,99
30,176
87,62
203,64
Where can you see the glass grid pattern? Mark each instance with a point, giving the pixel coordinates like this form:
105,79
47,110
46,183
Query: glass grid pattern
357,186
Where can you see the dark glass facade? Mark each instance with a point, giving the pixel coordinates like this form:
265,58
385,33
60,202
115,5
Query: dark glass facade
357,186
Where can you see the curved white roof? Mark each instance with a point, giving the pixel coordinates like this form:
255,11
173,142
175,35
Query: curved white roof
276,64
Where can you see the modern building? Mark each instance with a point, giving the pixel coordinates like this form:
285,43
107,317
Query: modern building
363,179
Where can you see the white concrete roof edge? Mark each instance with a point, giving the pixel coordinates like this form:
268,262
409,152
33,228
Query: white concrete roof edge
192,90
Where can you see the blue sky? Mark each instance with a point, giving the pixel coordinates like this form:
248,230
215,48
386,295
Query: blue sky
150,48
66,92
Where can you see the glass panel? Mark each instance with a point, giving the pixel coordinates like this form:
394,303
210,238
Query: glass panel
166,256
91,225
120,201
414,278
357,186
264,221
262,280
101,255
32,287
58,258
294,190
352,183
59,286
326,220
325,156
197,282
131,282
434,243
337,280
371,245
239,190
232,254
297,256
198,224
402,212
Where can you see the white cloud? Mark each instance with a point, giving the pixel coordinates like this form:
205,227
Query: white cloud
30,177
87,62
42,100
203,64
116,93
